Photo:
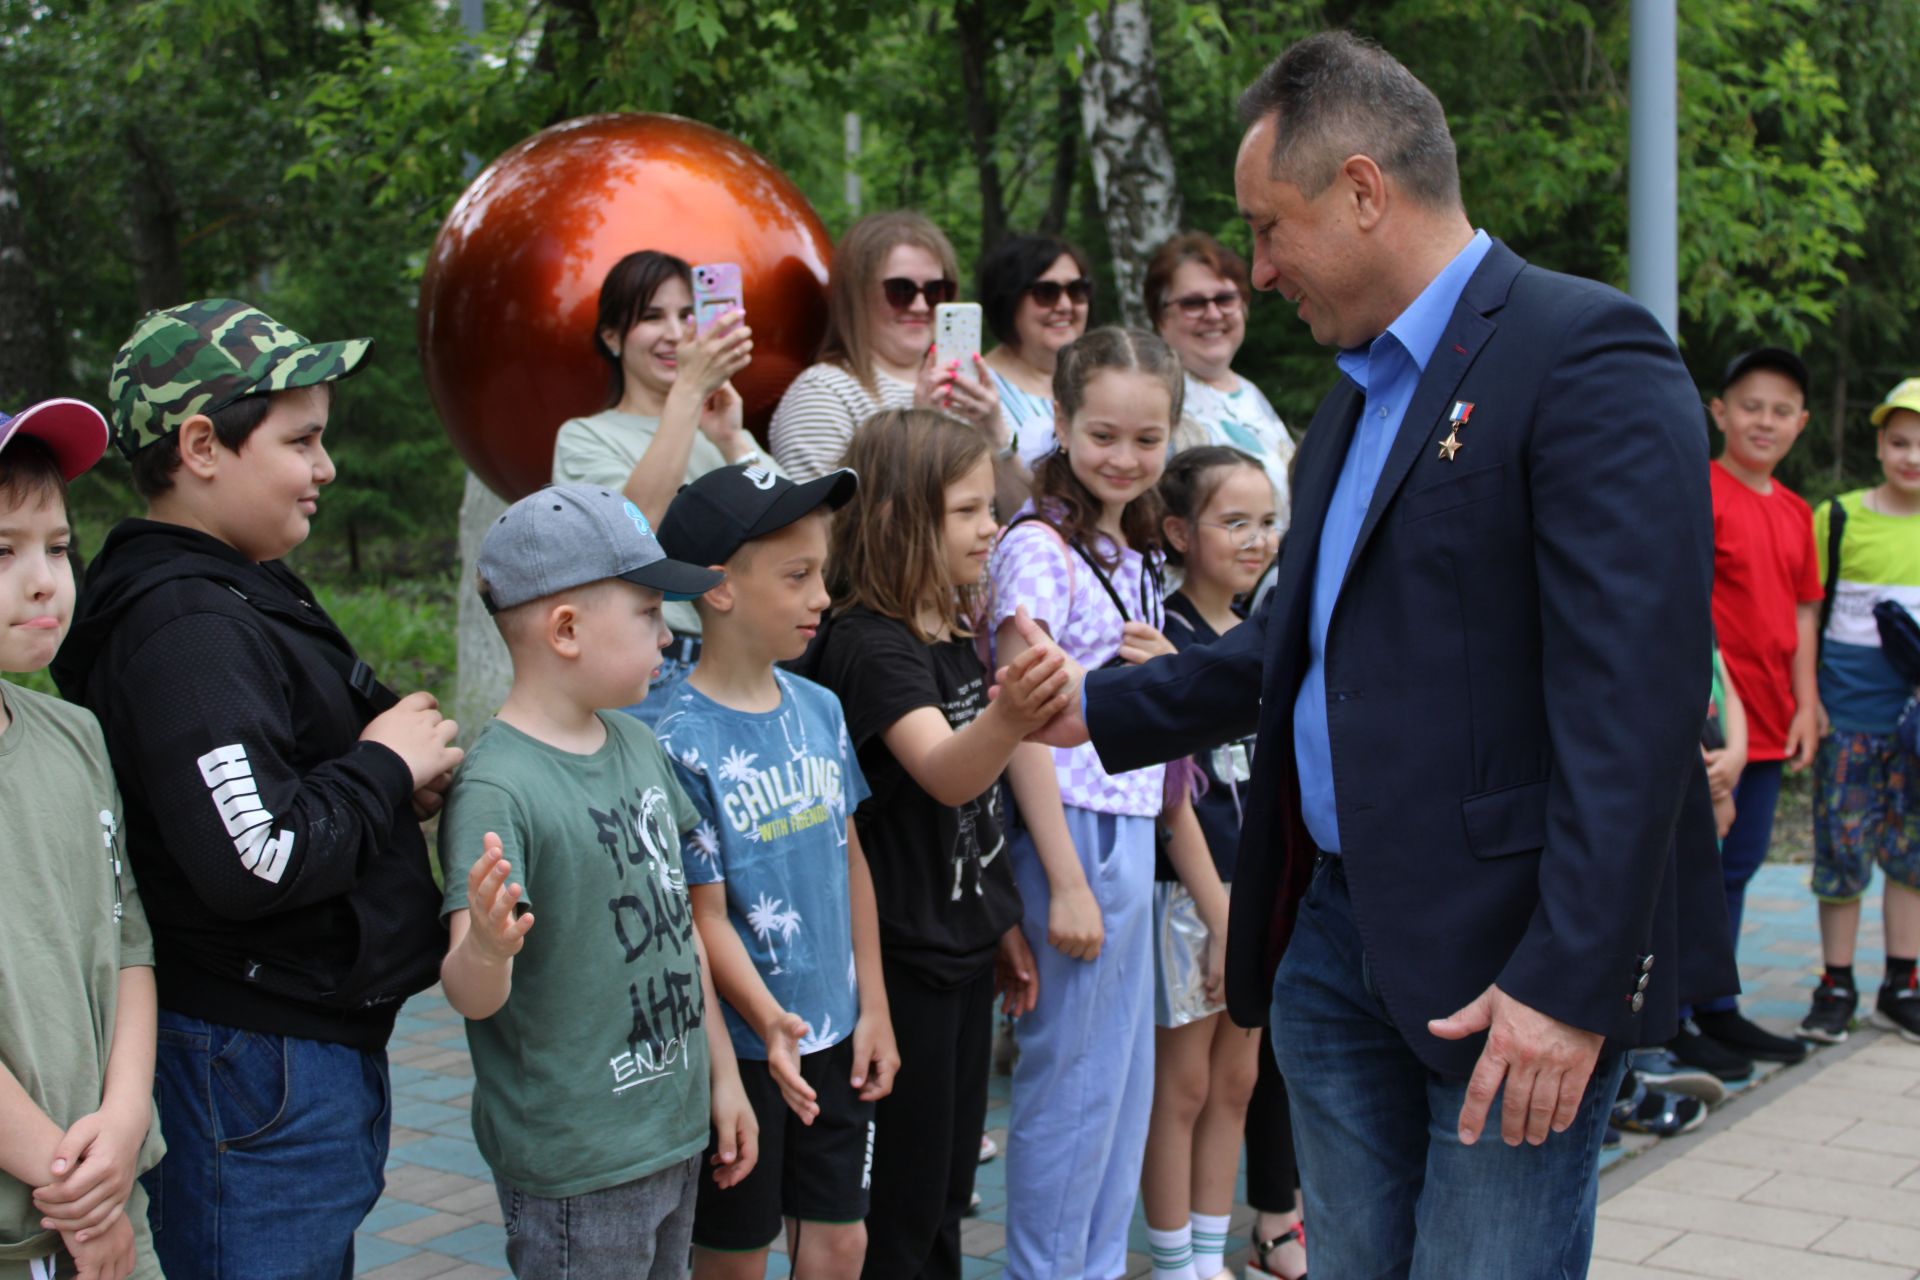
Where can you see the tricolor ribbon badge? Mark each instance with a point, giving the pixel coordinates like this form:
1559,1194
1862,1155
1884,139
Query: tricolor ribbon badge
1462,410
1456,419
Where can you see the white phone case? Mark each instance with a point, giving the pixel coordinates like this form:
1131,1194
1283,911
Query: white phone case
956,335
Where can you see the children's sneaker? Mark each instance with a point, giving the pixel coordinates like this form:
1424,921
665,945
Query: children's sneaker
1832,1013
1749,1039
1661,1069
1898,1009
1697,1049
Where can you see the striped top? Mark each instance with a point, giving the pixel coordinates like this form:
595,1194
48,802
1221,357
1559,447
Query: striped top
1029,419
819,414
1879,560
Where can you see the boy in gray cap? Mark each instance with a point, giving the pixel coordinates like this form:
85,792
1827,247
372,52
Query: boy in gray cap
592,1064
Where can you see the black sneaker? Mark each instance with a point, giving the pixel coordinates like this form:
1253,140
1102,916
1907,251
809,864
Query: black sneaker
1898,1009
1832,1013
1660,1113
1697,1049
1733,1029
1662,1069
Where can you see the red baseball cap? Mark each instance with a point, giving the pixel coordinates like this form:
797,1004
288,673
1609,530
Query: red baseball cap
73,429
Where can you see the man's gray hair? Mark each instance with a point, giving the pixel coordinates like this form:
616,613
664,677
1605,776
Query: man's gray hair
1337,95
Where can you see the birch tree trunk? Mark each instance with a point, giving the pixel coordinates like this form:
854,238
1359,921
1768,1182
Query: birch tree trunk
1126,129
485,671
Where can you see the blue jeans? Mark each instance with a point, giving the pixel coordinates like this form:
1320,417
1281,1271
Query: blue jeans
276,1151
1754,799
639,1230
1389,1189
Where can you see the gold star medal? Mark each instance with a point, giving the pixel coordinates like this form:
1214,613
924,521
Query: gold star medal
1456,422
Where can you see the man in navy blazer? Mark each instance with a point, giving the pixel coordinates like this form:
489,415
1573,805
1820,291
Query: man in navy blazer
1479,686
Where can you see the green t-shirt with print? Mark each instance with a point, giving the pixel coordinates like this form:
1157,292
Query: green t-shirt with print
74,923
594,1072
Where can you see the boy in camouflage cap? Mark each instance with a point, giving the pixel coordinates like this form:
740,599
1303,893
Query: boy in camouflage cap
273,789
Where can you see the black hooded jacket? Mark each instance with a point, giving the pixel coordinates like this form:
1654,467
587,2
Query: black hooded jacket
284,875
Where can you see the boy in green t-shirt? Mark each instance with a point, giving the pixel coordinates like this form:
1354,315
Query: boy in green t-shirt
76,967
1866,799
593,1068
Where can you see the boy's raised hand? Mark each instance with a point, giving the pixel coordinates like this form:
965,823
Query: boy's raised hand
737,1129
107,1254
492,927
93,1170
414,730
876,1057
783,1039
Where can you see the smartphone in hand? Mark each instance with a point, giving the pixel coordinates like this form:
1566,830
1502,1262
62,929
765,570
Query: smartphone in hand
716,291
956,335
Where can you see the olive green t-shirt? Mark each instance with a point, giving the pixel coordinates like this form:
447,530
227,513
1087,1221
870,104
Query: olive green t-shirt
74,923
594,1072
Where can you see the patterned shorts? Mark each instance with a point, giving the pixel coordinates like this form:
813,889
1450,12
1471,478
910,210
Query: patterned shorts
1866,809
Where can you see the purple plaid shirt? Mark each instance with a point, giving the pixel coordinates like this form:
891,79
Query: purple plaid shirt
1031,566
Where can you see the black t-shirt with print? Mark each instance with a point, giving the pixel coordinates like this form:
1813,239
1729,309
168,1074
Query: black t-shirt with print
1219,809
940,873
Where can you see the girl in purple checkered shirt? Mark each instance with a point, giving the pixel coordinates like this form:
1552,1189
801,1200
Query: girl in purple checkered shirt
1084,558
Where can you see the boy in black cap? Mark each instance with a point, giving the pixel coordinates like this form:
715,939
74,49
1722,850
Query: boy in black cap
593,1069
274,791
781,892
1766,610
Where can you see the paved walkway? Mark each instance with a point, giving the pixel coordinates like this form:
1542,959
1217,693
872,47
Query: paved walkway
1813,1173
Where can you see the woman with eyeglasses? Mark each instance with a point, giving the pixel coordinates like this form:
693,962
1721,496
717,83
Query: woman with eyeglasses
1197,295
1035,295
889,272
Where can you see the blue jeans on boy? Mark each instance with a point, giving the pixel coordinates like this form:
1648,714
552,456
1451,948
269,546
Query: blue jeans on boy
276,1152
1083,1083
1755,797
639,1230
1388,1186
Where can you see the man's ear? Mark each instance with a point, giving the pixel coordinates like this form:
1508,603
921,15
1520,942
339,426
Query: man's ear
1367,189
200,448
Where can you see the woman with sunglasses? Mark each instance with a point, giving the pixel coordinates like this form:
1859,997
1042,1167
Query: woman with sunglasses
1197,295
889,272
1035,295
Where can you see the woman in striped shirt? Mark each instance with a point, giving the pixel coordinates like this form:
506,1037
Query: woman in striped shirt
889,272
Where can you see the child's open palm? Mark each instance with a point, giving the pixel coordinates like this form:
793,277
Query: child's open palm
493,928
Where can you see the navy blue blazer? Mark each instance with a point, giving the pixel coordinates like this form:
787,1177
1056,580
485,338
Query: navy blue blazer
1517,675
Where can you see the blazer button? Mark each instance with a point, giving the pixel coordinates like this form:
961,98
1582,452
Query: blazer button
1641,985
1646,963
1639,999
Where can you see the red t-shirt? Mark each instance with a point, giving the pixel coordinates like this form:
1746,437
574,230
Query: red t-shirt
1764,564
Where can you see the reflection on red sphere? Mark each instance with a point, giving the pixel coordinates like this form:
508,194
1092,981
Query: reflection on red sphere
512,287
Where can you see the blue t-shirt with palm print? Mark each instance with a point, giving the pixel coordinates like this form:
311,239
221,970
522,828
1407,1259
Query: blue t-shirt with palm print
774,790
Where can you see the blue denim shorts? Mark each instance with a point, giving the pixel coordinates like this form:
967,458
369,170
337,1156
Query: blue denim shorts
639,1230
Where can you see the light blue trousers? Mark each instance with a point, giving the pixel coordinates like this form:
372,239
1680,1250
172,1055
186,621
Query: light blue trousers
1083,1084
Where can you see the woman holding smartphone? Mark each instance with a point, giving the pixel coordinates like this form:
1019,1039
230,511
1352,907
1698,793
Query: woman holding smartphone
672,414
1036,293
890,271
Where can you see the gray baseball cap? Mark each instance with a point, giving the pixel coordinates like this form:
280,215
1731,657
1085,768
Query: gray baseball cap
568,535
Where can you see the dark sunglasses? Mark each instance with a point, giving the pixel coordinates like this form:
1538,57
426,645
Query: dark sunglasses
1047,292
1194,305
901,292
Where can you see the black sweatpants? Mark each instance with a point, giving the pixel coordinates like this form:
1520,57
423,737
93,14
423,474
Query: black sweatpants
1272,1177
926,1143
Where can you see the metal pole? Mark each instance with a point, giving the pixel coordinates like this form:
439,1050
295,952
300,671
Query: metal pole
1653,182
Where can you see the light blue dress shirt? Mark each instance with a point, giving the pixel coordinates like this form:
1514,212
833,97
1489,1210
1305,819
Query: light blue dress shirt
1387,370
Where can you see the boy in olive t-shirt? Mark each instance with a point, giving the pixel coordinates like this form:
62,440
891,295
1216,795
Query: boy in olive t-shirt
76,961
573,952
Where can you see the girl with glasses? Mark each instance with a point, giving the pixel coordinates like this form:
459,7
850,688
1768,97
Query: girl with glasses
1035,295
1197,292
889,272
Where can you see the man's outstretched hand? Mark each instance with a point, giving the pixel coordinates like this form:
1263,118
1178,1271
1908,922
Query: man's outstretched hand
1545,1063
1069,728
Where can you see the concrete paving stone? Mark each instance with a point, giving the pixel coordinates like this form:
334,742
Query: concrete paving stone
1873,1135
402,1135
1816,1194
1784,1120
1817,1096
1871,1077
420,1266
980,1237
1705,1255
419,1231
437,1088
419,1184
474,1271
391,1213
410,1054
1623,1241
1909,1183
477,1242
440,1032
454,1155
1608,1269
1699,1176
1875,1242
371,1252
1660,1207
1865,1167
418,1113
447,1061
469,1200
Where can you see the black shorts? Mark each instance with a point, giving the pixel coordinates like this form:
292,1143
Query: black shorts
817,1173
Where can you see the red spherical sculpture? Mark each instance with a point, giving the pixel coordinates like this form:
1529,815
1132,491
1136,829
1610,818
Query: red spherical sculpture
512,287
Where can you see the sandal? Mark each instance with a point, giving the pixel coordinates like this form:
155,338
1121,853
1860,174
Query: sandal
1658,1112
1257,1264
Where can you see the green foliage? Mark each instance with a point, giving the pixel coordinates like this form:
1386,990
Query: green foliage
404,629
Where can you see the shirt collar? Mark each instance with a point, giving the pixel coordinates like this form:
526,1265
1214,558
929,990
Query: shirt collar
1417,330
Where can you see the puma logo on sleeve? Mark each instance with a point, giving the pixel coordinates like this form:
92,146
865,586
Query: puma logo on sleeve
229,777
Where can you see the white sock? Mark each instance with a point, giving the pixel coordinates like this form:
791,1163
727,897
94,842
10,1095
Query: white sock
1172,1253
1209,1245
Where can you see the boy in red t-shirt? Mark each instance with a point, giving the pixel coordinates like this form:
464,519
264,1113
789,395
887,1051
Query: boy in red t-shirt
1766,613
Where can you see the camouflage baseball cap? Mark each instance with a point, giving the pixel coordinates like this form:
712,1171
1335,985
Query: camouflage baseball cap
202,356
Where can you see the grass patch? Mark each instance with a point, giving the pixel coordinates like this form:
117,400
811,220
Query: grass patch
405,629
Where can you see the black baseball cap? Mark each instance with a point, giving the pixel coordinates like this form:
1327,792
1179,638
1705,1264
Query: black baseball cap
710,518
1779,359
